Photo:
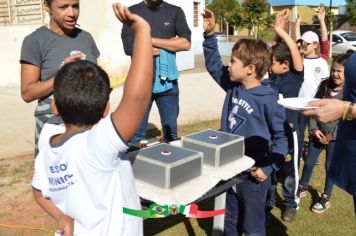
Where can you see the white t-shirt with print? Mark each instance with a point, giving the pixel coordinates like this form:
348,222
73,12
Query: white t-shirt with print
315,69
89,178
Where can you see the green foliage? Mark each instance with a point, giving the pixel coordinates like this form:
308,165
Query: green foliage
351,11
221,9
251,15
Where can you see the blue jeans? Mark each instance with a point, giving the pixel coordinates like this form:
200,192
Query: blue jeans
314,151
245,209
168,107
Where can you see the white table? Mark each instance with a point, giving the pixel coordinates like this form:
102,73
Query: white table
199,188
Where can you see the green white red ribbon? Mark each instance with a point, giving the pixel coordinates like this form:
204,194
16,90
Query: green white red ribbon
161,211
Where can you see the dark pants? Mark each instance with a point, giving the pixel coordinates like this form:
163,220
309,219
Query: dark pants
245,209
314,151
287,174
168,107
302,124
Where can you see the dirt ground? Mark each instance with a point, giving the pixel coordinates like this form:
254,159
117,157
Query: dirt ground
19,213
18,208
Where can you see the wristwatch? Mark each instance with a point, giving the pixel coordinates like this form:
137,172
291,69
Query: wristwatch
349,112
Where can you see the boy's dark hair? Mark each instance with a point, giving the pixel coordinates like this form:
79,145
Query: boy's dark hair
81,91
281,53
255,52
326,86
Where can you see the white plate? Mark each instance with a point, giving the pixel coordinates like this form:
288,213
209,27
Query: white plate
297,104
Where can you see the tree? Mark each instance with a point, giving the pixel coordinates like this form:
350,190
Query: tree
221,9
252,14
351,11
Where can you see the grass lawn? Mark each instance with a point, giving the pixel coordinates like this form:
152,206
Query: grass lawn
339,219
17,206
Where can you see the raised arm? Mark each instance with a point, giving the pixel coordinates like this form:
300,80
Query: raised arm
297,27
138,86
212,57
321,18
279,25
324,44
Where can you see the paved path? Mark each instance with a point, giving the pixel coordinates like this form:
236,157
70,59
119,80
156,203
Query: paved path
200,99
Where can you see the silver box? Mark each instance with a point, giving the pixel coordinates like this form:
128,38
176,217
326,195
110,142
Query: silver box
219,148
166,171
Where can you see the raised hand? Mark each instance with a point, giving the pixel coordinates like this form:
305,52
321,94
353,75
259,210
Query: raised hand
209,22
134,21
321,14
298,20
281,19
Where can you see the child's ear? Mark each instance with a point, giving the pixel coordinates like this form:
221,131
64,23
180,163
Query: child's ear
286,64
251,69
54,108
107,109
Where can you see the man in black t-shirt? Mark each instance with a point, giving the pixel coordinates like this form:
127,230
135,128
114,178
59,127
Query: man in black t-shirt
170,34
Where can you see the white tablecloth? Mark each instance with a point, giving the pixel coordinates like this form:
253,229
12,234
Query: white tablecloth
192,190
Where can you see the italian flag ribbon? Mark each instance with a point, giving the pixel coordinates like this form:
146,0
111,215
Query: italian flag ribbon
161,211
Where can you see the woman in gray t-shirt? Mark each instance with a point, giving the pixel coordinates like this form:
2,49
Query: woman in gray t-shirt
45,50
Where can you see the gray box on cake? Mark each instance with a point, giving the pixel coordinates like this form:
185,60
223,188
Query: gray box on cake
219,148
166,166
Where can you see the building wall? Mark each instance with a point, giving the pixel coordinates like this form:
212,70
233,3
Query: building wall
98,18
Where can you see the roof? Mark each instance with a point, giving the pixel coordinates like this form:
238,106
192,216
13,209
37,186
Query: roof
335,3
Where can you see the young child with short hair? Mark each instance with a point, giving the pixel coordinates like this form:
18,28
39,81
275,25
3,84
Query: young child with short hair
286,77
82,176
250,110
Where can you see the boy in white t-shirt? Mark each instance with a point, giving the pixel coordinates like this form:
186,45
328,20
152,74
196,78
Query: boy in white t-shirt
82,177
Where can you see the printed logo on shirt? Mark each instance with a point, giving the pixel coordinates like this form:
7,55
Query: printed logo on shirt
317,70
166,23
59,178
235,120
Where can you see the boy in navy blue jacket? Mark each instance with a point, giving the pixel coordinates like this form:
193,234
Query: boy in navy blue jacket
286,77
250,110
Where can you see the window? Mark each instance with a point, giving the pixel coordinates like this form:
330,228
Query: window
196,13
21,12
337,39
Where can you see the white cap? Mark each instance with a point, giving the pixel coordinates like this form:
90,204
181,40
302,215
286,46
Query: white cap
310,37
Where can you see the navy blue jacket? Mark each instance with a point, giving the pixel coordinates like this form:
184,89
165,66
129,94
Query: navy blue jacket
252,113
343,163
287,84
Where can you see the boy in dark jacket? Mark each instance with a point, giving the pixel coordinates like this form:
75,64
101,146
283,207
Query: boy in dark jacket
286,77
250,110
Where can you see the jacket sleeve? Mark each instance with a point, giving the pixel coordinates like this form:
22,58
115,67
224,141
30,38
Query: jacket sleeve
280,142
213,62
